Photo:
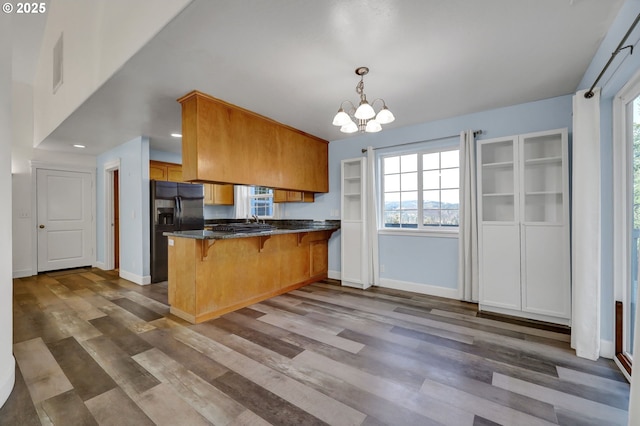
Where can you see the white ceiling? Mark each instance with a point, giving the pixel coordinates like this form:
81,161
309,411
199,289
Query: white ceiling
294,62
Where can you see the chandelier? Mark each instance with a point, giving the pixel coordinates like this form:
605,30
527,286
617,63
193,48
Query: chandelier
362,117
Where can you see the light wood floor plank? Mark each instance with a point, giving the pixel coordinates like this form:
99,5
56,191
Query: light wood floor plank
42,374
591,409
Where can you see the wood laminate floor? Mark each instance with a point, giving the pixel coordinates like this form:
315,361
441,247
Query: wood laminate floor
92,348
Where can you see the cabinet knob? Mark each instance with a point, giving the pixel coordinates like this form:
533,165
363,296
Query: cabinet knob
41,226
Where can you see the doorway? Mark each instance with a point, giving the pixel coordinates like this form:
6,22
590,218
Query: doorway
116,220
112,201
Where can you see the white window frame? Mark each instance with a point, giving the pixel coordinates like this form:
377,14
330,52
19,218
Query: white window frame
622,197
421,229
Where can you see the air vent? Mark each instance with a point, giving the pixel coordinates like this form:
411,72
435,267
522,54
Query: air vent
57,64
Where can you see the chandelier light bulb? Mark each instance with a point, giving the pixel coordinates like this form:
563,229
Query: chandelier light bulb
365,111
385,116
373,126
341,118
350,127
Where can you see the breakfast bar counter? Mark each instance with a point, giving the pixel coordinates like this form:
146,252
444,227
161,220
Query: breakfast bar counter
215,272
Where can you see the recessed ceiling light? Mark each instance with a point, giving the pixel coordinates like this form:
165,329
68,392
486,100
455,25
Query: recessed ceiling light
79,146
176,135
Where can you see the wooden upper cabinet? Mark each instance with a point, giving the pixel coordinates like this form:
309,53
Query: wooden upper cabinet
284,196
157,170
224,143
218,194
174,173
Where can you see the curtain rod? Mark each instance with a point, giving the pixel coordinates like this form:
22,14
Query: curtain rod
475,133
589,94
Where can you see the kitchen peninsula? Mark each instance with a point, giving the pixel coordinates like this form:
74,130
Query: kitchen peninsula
213,272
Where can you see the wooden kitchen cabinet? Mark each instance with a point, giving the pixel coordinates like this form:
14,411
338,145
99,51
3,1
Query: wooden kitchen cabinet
227,144
215,194
174,173
157,170
283,196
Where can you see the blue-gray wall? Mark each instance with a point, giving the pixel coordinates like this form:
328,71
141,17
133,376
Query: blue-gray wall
134,207
417,259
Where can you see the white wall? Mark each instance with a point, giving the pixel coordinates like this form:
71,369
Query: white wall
7,362
22,153
99,37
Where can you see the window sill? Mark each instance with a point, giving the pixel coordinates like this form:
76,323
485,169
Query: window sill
420,233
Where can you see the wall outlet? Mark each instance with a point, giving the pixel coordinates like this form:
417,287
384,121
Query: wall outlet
381,268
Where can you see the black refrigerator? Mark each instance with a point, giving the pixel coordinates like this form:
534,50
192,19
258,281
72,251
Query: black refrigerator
174,207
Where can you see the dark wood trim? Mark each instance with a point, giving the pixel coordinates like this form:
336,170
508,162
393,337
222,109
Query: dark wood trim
620,355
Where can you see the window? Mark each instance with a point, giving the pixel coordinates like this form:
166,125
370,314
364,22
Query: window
421,190
261,201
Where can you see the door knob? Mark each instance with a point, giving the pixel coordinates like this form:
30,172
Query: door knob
41,226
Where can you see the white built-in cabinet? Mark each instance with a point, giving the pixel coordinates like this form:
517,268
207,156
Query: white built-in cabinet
353,224
523,205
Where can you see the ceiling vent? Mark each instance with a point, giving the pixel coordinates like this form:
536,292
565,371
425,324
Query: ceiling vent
57,64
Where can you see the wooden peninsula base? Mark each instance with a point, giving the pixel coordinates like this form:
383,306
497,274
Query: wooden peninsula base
211,277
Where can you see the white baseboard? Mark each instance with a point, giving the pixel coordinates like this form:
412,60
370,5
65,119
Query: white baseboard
607,349
431,290
334,275
138,279
21,273
100,265
7,380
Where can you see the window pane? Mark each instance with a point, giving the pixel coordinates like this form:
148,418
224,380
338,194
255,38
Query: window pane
431,199
391,200
431,217
431,179
391,183
408,218
409,163
431,161
409,181
450,159
409,200
450,198
450,178
391,165
392,219
450,217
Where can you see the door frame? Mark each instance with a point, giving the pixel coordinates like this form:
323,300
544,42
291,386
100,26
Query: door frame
37,165
622,194
109,235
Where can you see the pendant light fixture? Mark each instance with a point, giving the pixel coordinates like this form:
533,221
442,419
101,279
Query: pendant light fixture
364,117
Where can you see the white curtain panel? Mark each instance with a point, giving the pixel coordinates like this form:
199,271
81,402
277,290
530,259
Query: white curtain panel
241,202
585,240
468,228
372,218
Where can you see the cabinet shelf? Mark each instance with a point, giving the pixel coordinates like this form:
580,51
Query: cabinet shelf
546,160
543,193
498,194
500,165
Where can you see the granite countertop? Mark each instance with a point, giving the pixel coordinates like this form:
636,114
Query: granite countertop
280,227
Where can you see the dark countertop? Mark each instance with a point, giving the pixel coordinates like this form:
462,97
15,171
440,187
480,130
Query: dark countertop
280,227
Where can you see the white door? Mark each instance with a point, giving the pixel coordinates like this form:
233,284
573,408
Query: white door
65,222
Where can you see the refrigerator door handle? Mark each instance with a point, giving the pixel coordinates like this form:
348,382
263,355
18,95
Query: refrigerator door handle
178,213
